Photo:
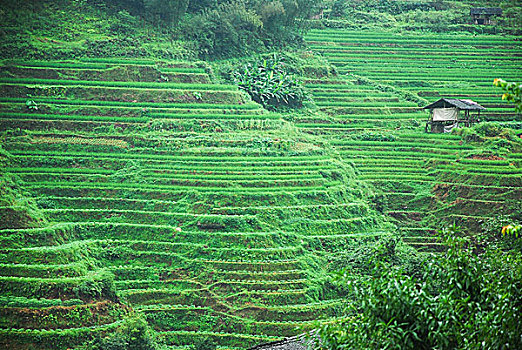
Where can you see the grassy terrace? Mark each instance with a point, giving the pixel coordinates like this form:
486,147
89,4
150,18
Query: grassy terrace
375,123
431,66
210,215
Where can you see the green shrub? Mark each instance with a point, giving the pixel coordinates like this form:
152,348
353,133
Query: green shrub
338,8
114,47
230,29
97,285
460,300
373,136
488,129
165,12
495,139
134,334
124,24
268,82
131,173
17,208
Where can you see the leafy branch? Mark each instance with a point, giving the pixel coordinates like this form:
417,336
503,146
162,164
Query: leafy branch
513,92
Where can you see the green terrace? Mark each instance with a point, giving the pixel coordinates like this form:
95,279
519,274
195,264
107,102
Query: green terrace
330,49
131,104
103,63
179,298
366,37
426,65
405,163
138,119
117,84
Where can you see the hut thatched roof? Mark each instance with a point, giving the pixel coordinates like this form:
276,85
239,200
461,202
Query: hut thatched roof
486,11
453,102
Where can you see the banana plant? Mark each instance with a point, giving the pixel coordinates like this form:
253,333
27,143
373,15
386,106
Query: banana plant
268,83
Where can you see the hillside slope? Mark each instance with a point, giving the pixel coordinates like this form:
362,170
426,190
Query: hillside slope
216,218
375,122
143,200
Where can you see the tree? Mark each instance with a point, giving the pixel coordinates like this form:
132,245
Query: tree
230,29
169,12
338,8
199,5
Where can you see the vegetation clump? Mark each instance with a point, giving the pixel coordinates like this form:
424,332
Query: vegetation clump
133,334
458,300
269,83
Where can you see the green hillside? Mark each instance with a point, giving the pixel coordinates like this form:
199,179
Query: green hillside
215,217
147,202
375,121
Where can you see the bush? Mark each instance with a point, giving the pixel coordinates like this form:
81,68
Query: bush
131,173
488,129
230,29
98,285
135,334
166,12
17,208
115,47
496,139
338,8
374,136
268,82
460,300
124,24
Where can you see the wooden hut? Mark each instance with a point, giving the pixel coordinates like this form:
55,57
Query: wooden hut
448,113
484,15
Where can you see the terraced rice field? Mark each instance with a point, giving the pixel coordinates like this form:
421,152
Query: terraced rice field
375,121
429,65
215,217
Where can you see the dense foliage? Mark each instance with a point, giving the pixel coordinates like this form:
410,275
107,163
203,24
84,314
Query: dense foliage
460,299
133,334
268,82
217,28
17,208
240,27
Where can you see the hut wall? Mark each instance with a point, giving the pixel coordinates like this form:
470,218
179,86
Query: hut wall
445,114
